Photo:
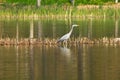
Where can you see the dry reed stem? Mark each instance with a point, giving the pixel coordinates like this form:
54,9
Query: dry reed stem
50,42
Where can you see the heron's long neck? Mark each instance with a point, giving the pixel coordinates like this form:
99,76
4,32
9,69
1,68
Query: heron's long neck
71,30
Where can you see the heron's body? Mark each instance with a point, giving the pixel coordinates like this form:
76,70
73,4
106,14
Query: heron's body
66,36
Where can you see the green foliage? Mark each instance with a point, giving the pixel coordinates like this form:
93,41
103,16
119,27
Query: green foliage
26,2
58,2
77,2
96,2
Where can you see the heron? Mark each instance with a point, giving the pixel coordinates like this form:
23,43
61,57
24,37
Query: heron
67,36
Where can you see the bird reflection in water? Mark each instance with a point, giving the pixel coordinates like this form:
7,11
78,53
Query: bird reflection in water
65,52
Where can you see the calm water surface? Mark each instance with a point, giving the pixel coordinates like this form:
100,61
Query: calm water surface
81,62
84,62
92,28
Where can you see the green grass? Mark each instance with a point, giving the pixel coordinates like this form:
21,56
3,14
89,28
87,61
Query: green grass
57,12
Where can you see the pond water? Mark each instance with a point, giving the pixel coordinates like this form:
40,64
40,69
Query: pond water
44,62
52,28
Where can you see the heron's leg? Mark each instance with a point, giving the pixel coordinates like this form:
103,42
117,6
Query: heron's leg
65,43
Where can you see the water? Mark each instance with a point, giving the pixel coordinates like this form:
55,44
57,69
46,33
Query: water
81,62
92,28
84,62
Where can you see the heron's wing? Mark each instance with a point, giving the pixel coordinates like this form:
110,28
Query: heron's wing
64,37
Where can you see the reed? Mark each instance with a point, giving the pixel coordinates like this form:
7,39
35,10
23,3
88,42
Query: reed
53,42
59,12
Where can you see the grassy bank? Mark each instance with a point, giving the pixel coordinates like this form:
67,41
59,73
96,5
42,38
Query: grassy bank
83,11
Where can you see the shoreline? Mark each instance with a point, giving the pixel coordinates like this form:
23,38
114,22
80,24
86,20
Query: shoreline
53,42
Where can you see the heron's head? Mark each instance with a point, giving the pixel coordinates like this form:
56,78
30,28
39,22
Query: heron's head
75,25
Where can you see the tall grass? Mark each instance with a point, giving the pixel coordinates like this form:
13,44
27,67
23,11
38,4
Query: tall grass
57,12
58,2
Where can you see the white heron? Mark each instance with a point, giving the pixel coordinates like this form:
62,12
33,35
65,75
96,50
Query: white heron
67,36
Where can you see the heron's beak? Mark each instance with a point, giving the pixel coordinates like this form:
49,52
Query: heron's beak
76,25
